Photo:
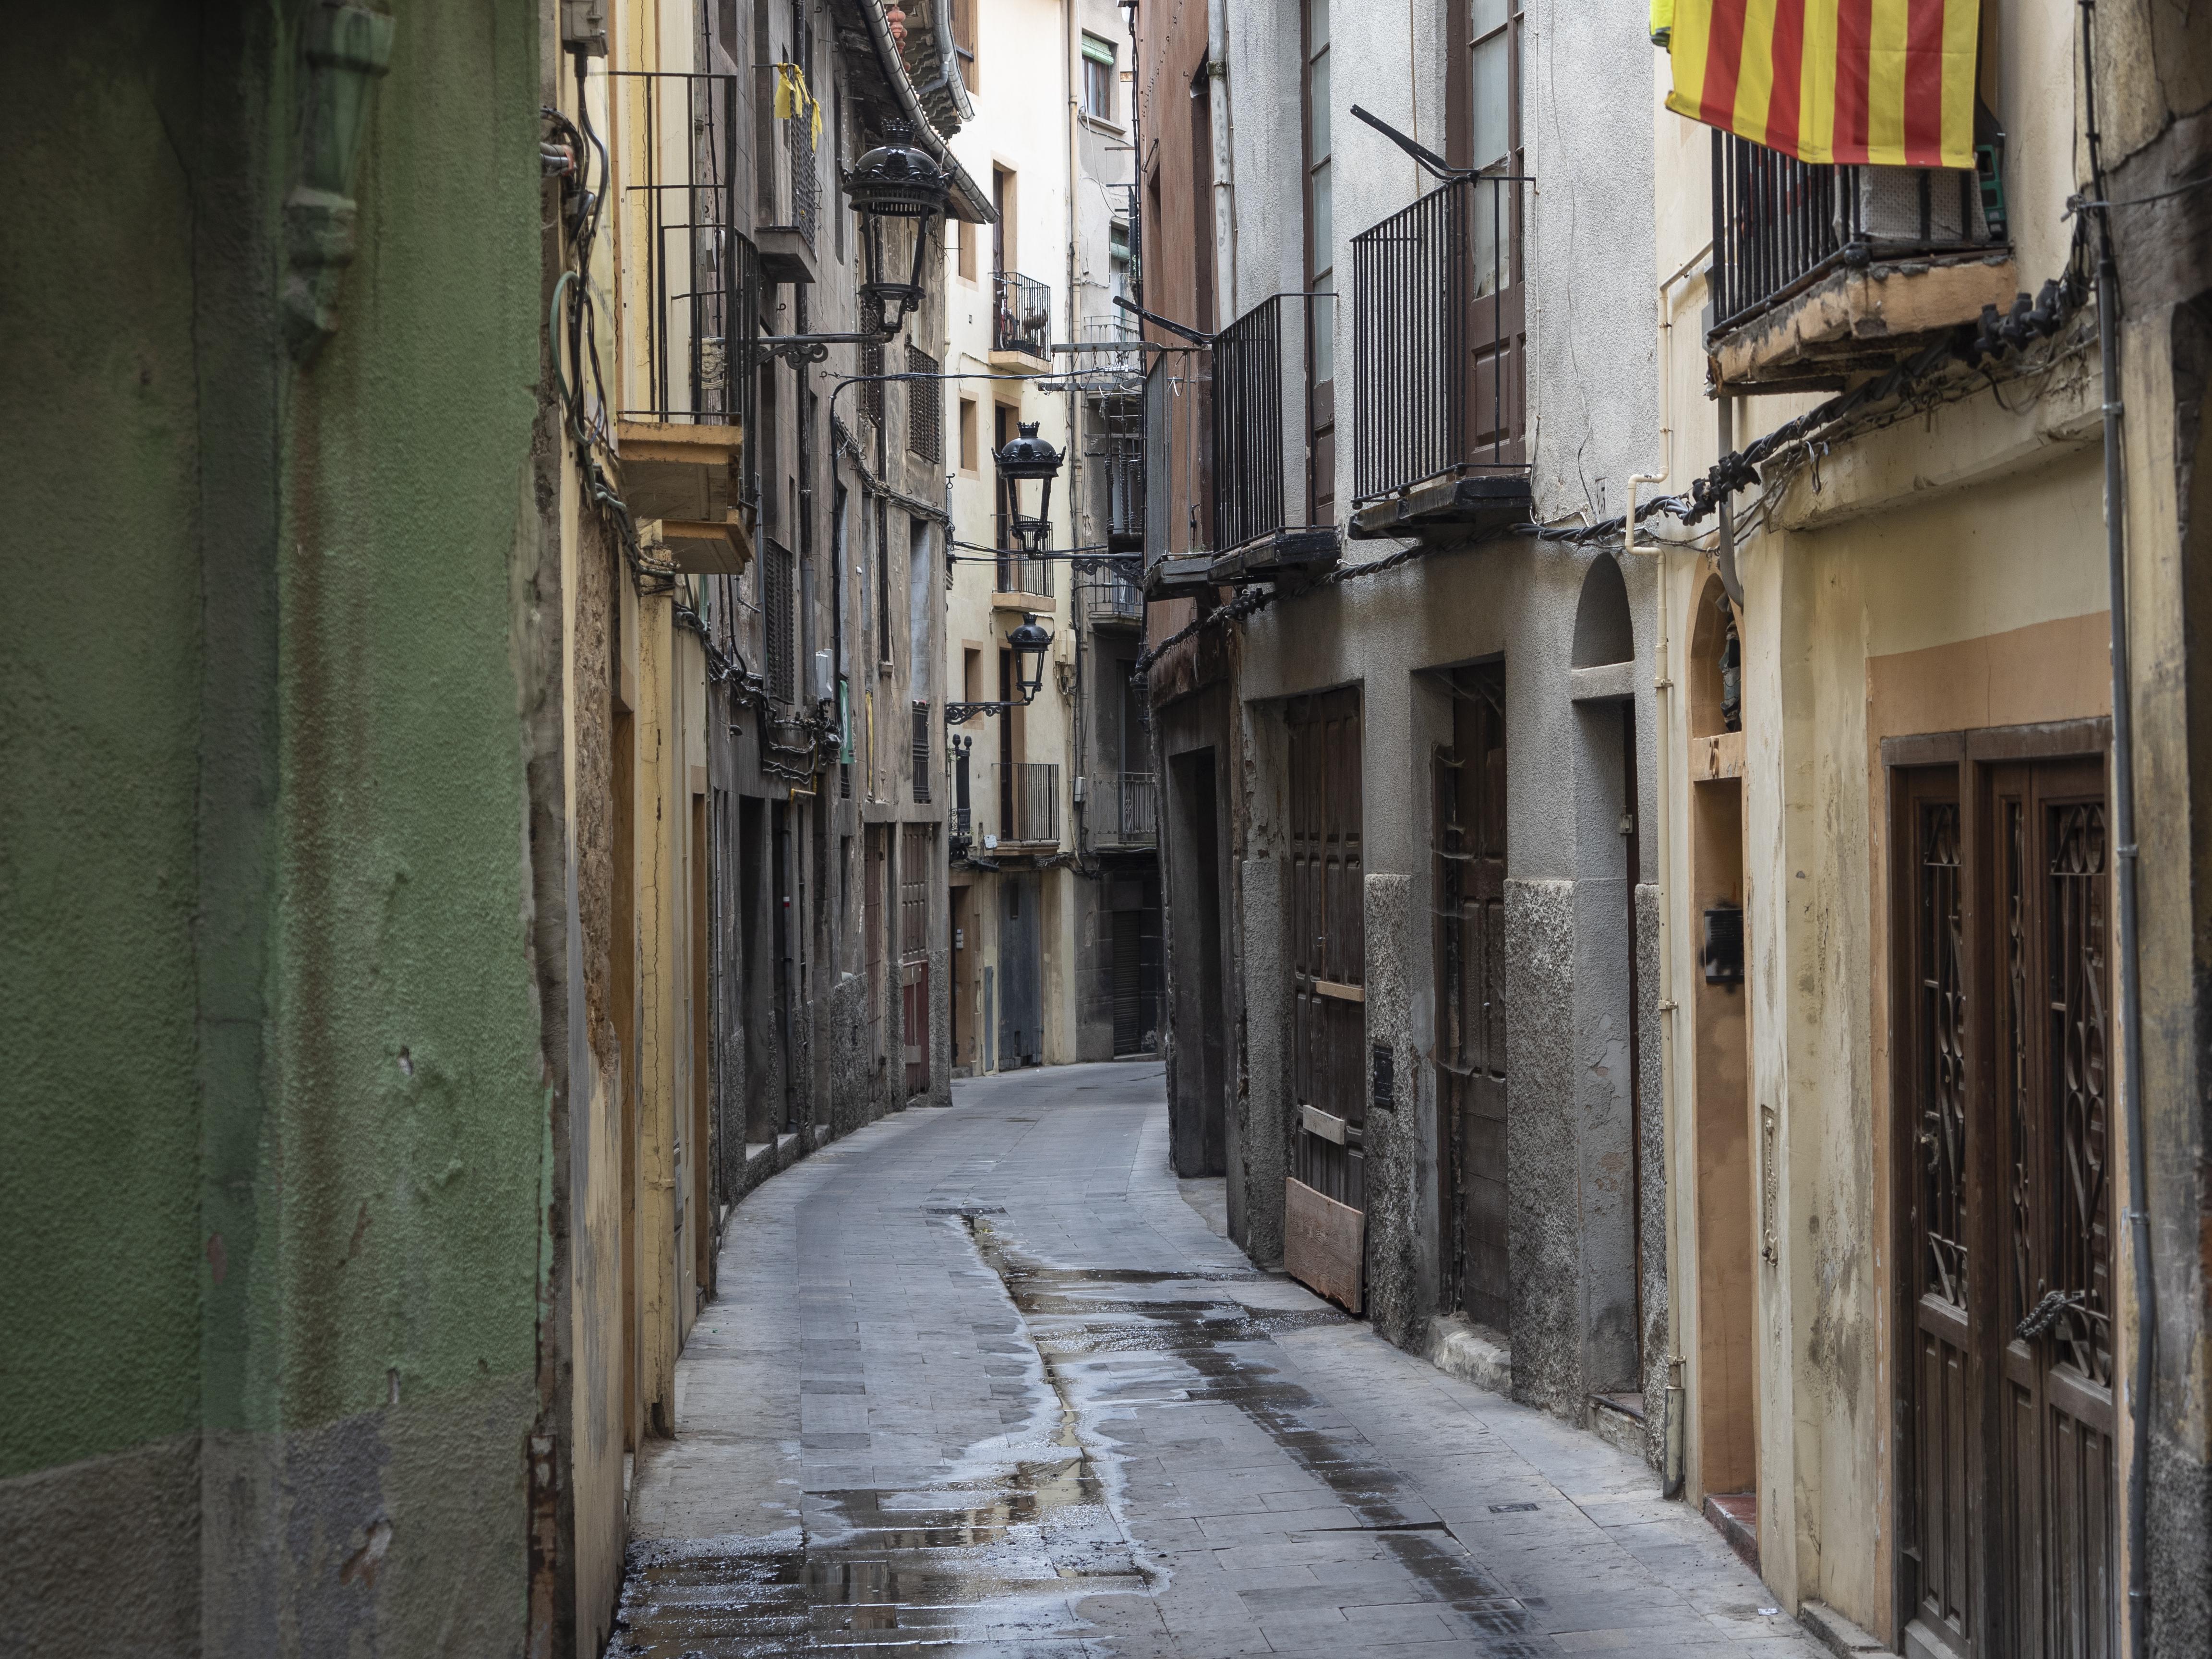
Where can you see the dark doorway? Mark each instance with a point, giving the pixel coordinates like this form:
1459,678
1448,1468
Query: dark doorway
1021,1035
1198,1131
1468,842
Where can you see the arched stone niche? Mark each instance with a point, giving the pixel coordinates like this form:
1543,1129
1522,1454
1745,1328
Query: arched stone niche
1715,656
1604,631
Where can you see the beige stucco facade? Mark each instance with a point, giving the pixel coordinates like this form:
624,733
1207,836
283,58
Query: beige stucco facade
1937,570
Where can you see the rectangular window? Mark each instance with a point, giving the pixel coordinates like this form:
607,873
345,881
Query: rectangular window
921,751
967,435
1002,232
776,618
1098,78
871,391
963,240
925,403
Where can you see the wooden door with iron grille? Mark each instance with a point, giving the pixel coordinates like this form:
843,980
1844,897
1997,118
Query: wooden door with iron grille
914,847
2051,1342
1326,945
2010,1549
1942,1201
1467,846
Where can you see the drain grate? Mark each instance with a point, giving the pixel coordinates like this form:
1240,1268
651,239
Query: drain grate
970,1210
1512,1509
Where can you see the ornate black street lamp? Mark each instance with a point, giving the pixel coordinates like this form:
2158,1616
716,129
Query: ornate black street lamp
894,182
1027,459
1029,643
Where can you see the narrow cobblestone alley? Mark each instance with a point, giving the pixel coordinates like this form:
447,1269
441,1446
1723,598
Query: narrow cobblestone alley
988,1381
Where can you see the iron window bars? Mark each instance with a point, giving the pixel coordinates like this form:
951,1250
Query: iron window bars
925,408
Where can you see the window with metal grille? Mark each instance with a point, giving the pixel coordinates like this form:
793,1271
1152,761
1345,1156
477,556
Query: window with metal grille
871,391
921,751
775,611
925,410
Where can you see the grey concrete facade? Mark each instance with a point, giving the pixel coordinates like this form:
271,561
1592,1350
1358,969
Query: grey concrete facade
1571,623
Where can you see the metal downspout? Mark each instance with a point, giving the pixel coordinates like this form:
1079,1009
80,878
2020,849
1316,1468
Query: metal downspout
1662,685
1224,152
2123,878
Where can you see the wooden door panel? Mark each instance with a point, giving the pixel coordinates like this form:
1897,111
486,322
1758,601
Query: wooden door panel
2004,1093
1467,843
1325,948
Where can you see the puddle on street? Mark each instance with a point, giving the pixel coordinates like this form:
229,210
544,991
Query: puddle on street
1031,1556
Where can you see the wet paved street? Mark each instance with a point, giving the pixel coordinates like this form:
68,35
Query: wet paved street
988,1381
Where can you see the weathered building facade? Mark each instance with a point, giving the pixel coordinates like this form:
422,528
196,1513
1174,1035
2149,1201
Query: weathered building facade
1053,881
1896,851
1410,913
522,864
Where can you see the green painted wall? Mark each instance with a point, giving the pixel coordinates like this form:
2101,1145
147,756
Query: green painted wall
277,1116
100,671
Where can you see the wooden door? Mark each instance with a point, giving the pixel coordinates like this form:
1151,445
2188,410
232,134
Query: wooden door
1325,943
915,860
2012,1549
1468,846
1945,1423
2052,1340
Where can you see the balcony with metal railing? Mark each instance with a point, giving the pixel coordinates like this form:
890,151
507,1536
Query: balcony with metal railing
689,283
1020,583
1029,805
1265,452
787,199
1821,272
1021,323
1439,343
1124,810
1113,596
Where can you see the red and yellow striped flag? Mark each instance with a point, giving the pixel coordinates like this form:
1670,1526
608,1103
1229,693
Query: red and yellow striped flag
1889,82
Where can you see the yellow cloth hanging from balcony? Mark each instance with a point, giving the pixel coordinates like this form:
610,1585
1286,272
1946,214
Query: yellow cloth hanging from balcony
1887,81
791,98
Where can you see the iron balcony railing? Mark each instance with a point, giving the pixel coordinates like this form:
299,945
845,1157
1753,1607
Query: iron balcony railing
1780,224
1029,802
691,321
788,188
1022,319
1125,810
1017,574
1110,360
1438,328
1112,594
1262,421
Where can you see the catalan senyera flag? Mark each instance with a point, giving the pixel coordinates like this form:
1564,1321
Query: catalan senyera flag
1889,81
